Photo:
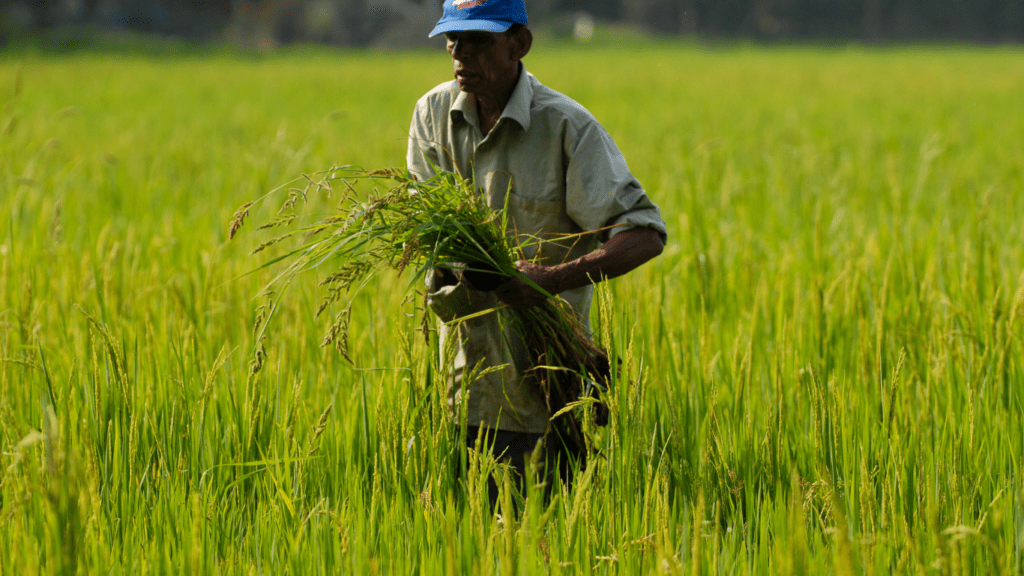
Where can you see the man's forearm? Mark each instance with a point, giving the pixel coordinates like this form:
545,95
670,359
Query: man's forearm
620,254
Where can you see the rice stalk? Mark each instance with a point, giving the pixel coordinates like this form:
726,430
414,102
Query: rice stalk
441,223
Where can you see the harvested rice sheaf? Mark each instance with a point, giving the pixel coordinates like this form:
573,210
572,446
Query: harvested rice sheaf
405,225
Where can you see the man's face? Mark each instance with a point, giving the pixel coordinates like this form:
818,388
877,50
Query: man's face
484,63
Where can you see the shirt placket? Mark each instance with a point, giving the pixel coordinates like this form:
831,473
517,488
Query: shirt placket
482,162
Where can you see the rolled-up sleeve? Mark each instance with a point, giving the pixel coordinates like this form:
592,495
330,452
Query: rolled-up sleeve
601,193
421,154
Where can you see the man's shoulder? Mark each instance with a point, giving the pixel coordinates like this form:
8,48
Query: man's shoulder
442,95
549,101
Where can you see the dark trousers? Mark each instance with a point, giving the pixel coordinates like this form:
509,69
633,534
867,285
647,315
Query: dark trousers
516,450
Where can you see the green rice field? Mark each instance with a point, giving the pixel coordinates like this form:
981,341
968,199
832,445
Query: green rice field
823,373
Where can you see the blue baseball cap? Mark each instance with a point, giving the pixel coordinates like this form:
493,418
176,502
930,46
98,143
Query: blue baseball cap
480,15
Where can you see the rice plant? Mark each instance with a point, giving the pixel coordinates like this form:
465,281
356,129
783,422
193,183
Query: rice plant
440,223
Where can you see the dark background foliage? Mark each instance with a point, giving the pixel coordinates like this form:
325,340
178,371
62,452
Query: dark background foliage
403,22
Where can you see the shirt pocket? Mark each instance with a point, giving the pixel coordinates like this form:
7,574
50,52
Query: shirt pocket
543,229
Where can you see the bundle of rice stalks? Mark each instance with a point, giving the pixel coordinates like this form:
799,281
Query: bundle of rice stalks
441,223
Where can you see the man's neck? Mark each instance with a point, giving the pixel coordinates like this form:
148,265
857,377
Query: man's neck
489,107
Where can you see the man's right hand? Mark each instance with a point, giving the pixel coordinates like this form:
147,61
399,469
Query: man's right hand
445,277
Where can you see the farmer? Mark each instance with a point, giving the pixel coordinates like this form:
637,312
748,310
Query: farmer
544,158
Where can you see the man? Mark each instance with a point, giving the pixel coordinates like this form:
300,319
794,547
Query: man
545,159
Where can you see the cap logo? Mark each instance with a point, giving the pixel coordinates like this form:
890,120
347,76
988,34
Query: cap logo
460,4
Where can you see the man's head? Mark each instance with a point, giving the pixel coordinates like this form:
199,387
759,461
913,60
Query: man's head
486,41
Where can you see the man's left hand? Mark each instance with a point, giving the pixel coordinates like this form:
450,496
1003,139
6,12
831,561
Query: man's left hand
518,294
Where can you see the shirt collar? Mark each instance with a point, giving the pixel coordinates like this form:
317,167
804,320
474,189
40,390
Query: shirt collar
517,109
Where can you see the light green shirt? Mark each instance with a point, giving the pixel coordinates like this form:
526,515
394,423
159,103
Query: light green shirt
563,175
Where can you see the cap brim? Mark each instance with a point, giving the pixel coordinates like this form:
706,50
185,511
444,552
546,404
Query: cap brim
470,26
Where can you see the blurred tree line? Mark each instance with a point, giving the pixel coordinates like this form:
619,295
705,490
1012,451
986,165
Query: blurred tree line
406,22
